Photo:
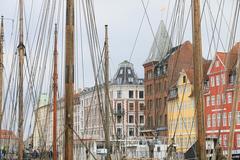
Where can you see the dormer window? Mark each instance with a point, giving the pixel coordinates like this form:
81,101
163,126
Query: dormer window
164,69
232,78
184,79
130,80
121,71
129,71
173,92
119,80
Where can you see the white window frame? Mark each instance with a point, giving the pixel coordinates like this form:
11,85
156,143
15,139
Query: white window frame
217,80
229,97
238,140
238,118
218,119
212,81
224,119
209,120
214,120
229,118
208,101
218,99
223,99
223,78
213,100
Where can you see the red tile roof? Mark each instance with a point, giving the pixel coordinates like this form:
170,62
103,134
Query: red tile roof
222,56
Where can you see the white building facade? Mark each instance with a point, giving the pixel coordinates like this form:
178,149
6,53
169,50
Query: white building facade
126,94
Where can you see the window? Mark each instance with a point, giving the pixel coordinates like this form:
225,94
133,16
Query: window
223,78
212,81
119,94
224,119
238,118
119,119
119,107
225,140
131,132
131,107
238,140
223,99
130,94
218,99
232,77
184,79
150,104
141,106
121,71
214,120
149,74
229,97
130,119
230,118
150,89
213,100
119,132
217,80
141,118
119,80
130,80
141,94
129,71
218,119
208,101
209,120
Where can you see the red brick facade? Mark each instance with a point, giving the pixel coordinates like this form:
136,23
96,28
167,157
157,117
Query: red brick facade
218,98
159,76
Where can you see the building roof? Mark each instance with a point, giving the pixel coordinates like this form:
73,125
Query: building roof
161,44
232,56
228,59
190,75
126,74
181,59
7,134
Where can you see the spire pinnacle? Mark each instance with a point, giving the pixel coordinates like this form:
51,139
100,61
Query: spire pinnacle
161,44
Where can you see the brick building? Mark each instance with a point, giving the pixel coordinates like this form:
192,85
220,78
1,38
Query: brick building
219,93
160,74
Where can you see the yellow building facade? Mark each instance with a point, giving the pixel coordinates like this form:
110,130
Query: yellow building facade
181,112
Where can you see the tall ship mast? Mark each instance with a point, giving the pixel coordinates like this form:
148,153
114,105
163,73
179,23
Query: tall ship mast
1,71
21,51
198,80
55,90
69,80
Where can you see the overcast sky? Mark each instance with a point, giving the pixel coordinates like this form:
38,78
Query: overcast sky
123,18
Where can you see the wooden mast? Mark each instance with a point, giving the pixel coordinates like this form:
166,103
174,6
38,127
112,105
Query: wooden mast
1,71
198,80
55,89
69,79
106,88
21,51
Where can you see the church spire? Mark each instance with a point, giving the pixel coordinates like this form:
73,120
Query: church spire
161,44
